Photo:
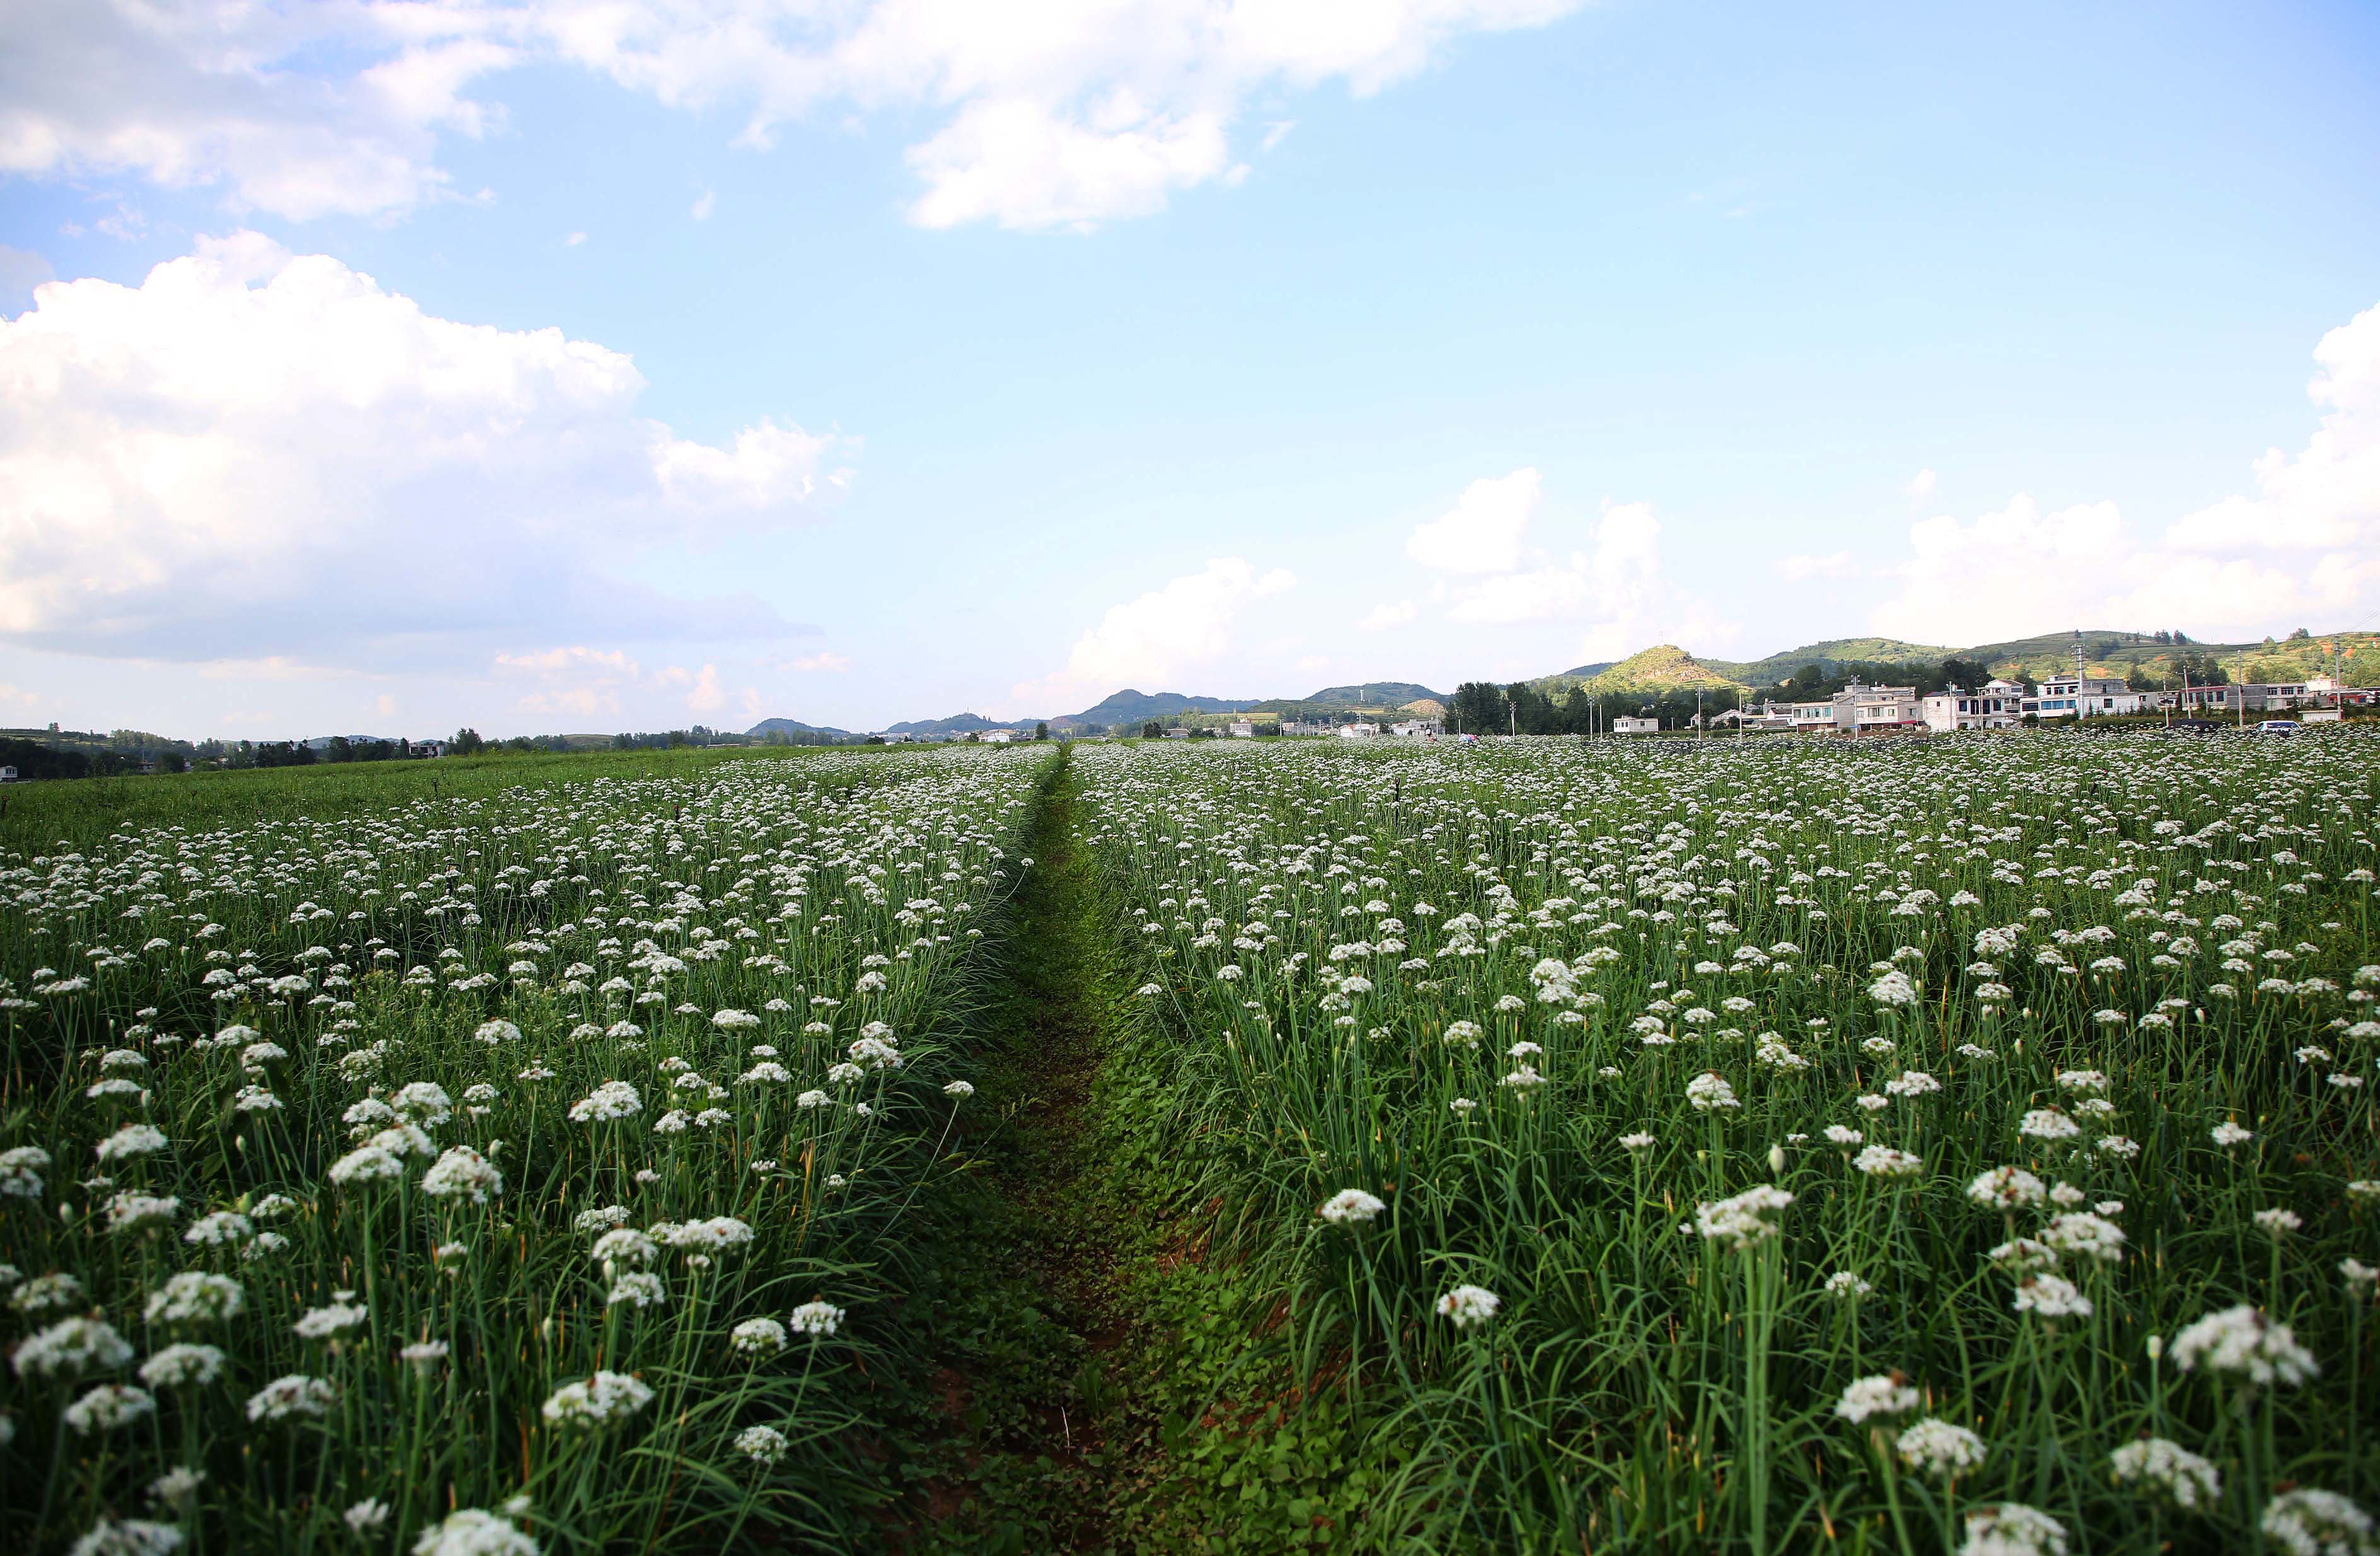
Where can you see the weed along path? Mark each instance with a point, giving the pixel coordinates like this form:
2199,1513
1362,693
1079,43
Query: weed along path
1013,1445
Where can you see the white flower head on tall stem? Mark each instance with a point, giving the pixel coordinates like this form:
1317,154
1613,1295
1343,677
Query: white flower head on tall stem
1467,1307
1351,1207
2012,1529
2167,1470
817,1319
1883,1395
2243,1343
597,1401
474,1532
2307,1522
1743,1219
1939,1448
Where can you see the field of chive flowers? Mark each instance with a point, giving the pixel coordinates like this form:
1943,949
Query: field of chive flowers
1916,1146
476,1176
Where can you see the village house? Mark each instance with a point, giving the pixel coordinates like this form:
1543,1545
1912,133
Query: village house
1418,729
1626,724
1999,705
2086,696
1242,730
1359,730
1859,710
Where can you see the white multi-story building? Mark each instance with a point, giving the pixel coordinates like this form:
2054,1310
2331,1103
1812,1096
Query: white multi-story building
1999,705
2085,697
1859,710
1242,730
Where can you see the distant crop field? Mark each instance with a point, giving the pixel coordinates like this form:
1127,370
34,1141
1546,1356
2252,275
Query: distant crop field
1910,1145
1724,1146
390,1151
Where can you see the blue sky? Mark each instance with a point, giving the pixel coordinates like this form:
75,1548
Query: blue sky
1710,324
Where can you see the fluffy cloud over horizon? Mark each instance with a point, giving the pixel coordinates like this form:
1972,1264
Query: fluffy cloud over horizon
255,454
1615,587
2305,547
1066,114
1149,643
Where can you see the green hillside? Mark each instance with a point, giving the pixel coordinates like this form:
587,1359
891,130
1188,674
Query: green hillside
1833,651
1663,668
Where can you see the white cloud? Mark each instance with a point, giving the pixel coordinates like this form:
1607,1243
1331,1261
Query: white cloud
2328,497
704,205
708,695
835,663
1920,485
1387,614
1617,587
1149,643
574,240
186,92
1064,113
1535,596
2305,547
254,455
1482,532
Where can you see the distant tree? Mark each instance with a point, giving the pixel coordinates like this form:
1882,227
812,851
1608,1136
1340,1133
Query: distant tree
1041,730
2300,635
467,743
1478,708
173,761
338,750
33,760
521,743
1152,730
2139,678
1968,675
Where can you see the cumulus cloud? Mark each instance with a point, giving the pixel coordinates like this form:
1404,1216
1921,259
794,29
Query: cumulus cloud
1064,113
1387,614
2327,498
257,454
188,92
1617,587
2306,546
1150,642
1482,532
1920,485
571,679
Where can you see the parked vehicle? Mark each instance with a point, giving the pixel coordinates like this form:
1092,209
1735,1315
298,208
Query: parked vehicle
2277,727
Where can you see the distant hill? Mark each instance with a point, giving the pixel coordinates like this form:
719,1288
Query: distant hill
1666,667
780,726
1663,668
1373,694
1826,655
1129,706
957,724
